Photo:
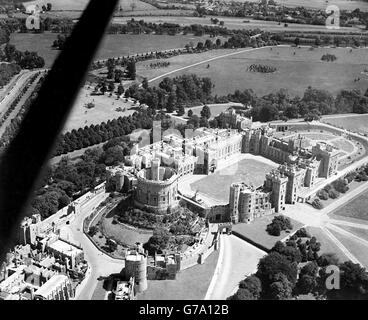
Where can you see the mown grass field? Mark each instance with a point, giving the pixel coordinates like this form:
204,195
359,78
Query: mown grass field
319,4
233,23
217,185
80,5
358,123
327,246
113,45
295,72
358,249
356,208
256,231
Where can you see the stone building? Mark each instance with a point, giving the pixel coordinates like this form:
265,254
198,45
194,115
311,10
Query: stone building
329,158
157,188
247,203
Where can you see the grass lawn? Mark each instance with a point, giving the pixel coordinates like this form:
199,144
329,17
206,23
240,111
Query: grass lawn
256,231
105,109
342,4
233,23
356,208
190,284
218,185
318,136
113,45
357,123
124,235
357,249
78,5
294,72
327,246
343,145
361,233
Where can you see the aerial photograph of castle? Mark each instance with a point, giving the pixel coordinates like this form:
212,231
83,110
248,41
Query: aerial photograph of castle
215,150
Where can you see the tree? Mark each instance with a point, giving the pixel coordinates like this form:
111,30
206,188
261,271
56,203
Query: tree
63,201
92,231
328,259
190,113
272,264
114,156
159,241
242,294
253,285
281,288
297,41
49,6
131,70
145,84
181,110
206,112
120,89
306,284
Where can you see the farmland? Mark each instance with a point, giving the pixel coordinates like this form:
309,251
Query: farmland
319,4
113,45
234,23
294,71
79,5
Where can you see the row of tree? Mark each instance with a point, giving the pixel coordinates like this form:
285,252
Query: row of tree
26,59
96,134
7,72
280,105
69,180
280,275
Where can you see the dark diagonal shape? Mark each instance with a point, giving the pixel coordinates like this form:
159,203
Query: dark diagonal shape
22,163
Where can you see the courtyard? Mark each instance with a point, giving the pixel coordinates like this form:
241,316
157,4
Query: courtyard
248,169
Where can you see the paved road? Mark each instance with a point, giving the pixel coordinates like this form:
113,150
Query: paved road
14,90
239,260
100,264
19,106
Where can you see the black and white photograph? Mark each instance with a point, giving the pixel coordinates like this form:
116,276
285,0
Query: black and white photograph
168,151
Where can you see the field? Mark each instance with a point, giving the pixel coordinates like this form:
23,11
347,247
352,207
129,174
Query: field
124,235
79,5
190,284
327,246
356,248
357,123
104,110
356,208
294,71
233,23
320,4
217,186
113,45
256,231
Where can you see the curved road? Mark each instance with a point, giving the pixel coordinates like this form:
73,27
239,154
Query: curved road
100,264
239,260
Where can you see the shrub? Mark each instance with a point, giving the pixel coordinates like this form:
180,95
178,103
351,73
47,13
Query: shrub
302,233
317,204
341,185
322,194
333,194
279,224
